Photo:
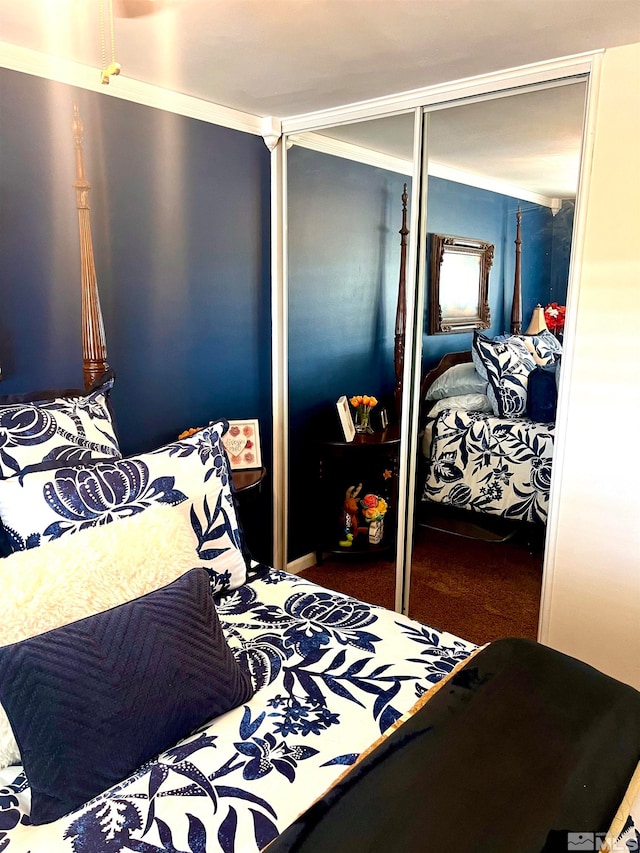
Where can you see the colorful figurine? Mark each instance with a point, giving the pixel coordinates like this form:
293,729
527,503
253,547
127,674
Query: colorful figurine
351,510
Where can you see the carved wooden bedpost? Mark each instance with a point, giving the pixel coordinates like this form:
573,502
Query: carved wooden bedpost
94,347
516,305
401,310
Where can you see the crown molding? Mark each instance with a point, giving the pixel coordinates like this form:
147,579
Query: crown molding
271,131
480,86
22,59
350,151
494,185
38,64
369,157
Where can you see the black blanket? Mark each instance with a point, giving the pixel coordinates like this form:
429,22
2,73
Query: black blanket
523,746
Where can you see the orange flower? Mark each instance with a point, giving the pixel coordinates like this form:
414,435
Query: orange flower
189,432
363,400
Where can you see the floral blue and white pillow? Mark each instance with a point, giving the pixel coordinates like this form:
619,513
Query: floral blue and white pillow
191,474
65,430
508,365
546,344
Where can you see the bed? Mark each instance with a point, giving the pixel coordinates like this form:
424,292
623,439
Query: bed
325,690
331,674
477,461
487,417
163,692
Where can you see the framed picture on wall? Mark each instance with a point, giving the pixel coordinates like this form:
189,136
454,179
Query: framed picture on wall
242,443
346,419
459,284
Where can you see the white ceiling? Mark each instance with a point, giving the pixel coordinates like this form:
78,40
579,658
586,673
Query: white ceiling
286,57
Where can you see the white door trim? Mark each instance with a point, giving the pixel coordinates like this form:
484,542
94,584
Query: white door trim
279,353
568,347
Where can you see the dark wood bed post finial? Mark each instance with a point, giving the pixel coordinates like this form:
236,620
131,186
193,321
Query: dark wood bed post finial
401,310
94,347
516,305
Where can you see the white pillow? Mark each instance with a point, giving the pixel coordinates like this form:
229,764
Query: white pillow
457,380
468,402
427,436
77,576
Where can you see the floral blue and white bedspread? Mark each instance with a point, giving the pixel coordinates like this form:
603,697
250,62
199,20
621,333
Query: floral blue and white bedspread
488,464
331,673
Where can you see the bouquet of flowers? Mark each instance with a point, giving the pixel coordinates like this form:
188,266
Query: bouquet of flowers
363,403
554,317
373,507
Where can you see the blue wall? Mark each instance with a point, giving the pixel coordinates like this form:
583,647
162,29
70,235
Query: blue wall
561,252
180,220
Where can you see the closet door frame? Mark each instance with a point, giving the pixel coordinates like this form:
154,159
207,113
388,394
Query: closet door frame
512,81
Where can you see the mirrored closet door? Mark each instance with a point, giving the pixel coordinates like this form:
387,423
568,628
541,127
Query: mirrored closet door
348,203
493,203
502,183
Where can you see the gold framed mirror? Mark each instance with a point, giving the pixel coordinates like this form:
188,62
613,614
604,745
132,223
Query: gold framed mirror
459,284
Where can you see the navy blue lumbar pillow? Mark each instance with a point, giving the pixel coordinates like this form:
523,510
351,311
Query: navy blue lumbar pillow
92,701
542,396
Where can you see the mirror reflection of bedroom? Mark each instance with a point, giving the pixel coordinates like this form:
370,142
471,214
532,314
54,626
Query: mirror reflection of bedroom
489,388
503,175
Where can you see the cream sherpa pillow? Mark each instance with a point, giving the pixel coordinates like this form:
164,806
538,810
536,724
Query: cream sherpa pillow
91,571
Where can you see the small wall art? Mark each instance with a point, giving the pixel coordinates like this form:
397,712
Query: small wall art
242,443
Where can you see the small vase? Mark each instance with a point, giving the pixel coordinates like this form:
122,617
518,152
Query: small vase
376,531
362,420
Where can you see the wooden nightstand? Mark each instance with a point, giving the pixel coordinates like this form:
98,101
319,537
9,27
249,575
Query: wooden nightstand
246,480
370,460
248,486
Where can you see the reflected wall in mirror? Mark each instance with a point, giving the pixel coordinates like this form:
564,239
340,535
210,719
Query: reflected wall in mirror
344,251
459,284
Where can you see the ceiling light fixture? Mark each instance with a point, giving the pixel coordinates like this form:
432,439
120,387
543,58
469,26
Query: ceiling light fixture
141,8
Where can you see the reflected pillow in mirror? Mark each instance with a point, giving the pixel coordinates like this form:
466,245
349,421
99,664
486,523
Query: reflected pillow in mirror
508,365
545,344
467,402
457,380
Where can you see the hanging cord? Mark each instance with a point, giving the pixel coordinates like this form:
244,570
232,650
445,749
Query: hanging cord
114,67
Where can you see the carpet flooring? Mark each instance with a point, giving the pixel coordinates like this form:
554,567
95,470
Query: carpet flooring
477,590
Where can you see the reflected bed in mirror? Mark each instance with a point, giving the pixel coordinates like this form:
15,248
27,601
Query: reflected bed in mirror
459,284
